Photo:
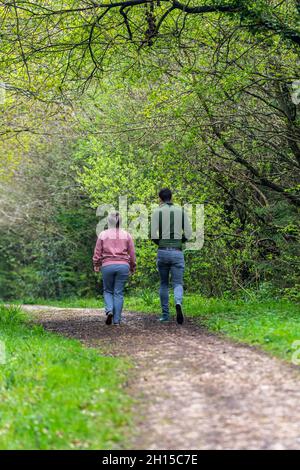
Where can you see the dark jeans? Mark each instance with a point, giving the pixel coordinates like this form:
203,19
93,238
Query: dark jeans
170,261
114,279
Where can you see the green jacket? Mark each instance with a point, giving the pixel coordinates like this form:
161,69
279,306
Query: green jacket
170,226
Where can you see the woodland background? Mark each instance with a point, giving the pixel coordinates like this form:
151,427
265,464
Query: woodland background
125,98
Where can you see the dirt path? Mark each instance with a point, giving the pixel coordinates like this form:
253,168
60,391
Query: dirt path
193,390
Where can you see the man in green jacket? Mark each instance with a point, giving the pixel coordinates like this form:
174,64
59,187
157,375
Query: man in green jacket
170,229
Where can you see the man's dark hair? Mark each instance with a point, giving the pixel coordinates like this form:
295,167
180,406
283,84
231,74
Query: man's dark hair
165,194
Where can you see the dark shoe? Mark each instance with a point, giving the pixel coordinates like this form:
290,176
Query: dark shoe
109,317
179,314
164,320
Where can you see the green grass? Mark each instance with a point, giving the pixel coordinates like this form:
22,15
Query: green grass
57,394
272,325
71,302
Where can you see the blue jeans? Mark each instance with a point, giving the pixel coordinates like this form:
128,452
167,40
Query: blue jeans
114,279
170,261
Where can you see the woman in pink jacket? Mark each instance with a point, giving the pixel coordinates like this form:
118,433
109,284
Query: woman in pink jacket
114,253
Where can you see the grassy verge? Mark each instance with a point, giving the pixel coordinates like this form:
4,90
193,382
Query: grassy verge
273,325
56,394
